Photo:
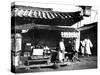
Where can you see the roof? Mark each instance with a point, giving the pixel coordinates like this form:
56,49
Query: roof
26,16
87,26
45,13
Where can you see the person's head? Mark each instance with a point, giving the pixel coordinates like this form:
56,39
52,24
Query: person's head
69,41
87,37
62,40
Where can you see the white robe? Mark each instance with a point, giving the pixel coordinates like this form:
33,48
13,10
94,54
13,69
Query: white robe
88,45
62,46
82,47
61,53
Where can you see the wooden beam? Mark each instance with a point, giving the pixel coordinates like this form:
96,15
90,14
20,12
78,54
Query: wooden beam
47,27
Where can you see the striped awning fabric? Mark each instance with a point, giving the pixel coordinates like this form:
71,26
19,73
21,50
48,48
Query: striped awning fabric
39,13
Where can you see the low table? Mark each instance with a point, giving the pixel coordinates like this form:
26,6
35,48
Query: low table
38,61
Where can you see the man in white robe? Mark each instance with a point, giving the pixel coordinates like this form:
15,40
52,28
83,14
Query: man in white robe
88,45
62,50
83,47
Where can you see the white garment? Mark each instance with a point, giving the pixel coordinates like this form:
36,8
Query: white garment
82,50
82,47
61,53
62,46
60,56
88,45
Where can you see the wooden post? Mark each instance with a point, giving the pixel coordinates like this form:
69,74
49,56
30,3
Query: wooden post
18,43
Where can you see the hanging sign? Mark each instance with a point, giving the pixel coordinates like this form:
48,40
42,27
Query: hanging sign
69,34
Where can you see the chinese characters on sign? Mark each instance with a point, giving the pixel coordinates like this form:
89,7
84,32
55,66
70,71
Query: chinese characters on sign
69,34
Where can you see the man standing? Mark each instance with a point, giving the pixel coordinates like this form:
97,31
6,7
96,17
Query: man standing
62,50
82,47
88,45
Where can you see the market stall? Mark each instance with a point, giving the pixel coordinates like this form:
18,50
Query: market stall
37,32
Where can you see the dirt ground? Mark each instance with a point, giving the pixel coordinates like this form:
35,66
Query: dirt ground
85,63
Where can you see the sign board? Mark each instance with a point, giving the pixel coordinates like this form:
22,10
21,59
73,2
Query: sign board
37,51
69,34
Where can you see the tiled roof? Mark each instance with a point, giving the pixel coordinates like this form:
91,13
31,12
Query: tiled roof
45,13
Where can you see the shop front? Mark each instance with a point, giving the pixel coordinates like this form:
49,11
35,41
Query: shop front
36,35
40,47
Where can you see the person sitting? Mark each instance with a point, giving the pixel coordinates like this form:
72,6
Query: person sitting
72,53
